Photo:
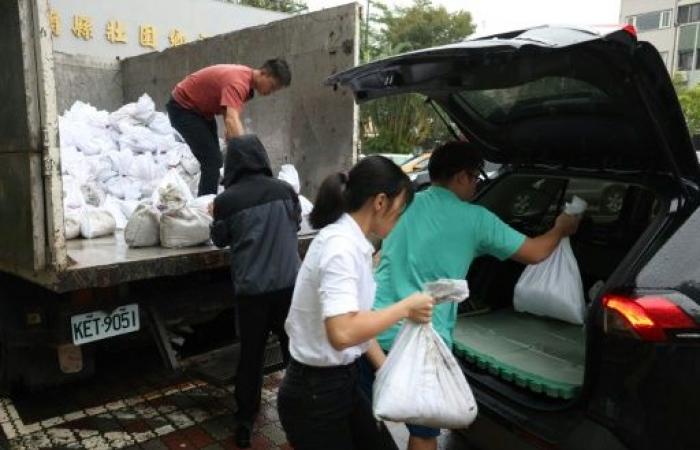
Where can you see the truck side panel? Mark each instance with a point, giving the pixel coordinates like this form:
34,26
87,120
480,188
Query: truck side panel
306,124
91,80
22,232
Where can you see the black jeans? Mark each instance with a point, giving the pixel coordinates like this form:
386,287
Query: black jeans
257,316
201,135
324,409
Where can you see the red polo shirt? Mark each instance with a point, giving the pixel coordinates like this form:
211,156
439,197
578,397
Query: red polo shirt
210,90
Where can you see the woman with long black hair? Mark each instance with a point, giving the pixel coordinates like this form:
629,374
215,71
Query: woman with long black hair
330,323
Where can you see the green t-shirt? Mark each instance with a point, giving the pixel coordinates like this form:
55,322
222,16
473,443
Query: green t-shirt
438,236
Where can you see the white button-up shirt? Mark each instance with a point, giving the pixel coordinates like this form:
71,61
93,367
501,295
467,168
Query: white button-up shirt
335,278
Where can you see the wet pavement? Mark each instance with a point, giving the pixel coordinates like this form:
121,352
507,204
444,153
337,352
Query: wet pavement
146,409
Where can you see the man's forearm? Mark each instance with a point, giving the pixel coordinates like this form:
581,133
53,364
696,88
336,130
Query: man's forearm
234,127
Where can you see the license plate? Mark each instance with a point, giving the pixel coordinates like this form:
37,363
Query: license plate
98,325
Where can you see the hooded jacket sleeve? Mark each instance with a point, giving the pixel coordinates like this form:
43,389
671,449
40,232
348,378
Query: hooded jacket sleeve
220,231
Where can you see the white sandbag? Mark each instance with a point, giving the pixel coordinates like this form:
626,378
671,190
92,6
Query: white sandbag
161,124
188,161
99,168
72,195
289,174
148,172
137,139
172,157
96,222
93,194
73,163
143,227
112,204
421,382
185,227
125,188
120,162
128,207
306,207
172,193
202,203
145,109
553,288
71,224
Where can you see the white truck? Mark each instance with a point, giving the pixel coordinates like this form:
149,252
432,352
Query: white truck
54,293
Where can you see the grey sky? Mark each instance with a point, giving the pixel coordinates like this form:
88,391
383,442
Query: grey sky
493,16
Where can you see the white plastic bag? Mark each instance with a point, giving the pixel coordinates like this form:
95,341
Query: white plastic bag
161,124
421,382
143,227
553,288
172,193
96,222
185,227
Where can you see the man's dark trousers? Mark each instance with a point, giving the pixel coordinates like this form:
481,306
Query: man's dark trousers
258,316
201,135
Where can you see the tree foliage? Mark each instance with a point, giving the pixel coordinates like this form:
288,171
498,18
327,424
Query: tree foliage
406,123
287,6
689,98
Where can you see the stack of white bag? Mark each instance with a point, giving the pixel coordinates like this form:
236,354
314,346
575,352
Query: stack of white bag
173,218
553,288
289,174
118,159
421,382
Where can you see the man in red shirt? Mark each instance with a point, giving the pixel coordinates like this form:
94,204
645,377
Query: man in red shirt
222,89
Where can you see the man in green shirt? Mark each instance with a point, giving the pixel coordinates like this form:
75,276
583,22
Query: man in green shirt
439,236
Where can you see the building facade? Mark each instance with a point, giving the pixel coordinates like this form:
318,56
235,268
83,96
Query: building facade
120,28
673,27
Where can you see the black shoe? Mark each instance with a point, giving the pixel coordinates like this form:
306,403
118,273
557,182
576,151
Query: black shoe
243,436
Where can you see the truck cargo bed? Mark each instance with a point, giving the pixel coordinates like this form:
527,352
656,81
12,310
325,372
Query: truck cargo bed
109,261
110,250
543,355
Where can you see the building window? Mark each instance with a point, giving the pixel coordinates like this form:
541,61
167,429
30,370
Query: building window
665,19
651,21
686,47
689,13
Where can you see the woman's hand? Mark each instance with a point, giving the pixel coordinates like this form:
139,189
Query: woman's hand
419,307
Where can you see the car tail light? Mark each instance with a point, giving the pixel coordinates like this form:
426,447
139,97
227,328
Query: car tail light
648,318
630,29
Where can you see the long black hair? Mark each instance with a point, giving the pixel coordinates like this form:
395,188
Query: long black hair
340,192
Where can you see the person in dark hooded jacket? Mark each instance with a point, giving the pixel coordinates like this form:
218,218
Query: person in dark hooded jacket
258,216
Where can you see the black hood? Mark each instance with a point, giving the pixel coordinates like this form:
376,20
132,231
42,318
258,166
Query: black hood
245,156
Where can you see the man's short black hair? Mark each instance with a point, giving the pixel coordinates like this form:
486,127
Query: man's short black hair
453,157
279,70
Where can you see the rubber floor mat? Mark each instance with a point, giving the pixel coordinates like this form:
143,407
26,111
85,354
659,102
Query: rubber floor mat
543,355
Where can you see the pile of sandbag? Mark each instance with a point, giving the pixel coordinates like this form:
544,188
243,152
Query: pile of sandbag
172,218
112,161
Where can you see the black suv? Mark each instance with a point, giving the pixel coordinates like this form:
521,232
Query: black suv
568,111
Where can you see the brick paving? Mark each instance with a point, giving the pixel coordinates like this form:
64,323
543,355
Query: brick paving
187,415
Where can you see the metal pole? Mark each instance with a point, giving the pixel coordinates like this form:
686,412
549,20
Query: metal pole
674,47
367,33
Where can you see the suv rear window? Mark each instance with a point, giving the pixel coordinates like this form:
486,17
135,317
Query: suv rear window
531,203
531,98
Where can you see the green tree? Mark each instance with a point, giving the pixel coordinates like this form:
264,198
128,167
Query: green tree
405,123
287,6
689,98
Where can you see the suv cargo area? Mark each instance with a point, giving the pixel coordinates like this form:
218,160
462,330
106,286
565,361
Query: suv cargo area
537,355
